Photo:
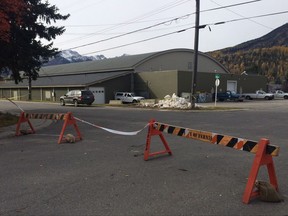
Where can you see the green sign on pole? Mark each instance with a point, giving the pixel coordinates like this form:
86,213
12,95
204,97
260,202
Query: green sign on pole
217,76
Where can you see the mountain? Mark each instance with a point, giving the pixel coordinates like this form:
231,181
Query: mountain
70,56
266,56
277,37
64,57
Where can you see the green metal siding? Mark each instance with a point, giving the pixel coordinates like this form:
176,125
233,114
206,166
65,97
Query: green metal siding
180,60
245,84
206,83
59,92
24,94
184,81
251,83
158,83
7,93
161,83
36,94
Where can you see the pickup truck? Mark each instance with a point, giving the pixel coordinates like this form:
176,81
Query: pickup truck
281,94
128,97
258,95
229,96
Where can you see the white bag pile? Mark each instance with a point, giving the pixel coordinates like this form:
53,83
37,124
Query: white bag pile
170,102
173,102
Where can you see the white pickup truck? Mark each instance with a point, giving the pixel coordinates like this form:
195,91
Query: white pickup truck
281,94
128,97
258,95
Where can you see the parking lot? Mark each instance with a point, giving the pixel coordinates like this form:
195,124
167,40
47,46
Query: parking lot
105,174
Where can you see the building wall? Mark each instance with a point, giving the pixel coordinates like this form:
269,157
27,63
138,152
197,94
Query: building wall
58,92
161,83
184,81
36,94
6,93
158,83
14,93
251,83
162,74
155,84
206,82
53,94
47,94
245,84
24,94
119,84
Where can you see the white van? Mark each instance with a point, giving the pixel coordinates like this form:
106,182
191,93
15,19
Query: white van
128,97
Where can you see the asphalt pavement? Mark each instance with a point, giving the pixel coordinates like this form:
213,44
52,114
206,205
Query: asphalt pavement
10,131
105,174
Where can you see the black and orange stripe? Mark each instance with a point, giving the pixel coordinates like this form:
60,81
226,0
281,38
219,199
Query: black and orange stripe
52,116
214,138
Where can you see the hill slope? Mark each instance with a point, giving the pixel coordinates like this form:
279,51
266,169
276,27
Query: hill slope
70,56
266,55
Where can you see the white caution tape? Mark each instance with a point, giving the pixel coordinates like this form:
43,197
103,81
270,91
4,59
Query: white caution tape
15,98
132,133
15,104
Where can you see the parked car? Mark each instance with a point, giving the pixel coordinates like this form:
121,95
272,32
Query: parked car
281,94
128,97
228,96
77,97
258,95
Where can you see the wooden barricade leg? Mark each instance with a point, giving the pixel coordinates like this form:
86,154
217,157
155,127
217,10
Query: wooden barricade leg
69,120
261,159
152,132
21,120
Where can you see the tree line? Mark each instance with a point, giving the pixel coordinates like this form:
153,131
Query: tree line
270,62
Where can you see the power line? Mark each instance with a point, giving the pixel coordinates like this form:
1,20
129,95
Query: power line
223,7
242,15
180,31
151,13
151,30
145,21
161,23
128,33
141,41
111,24
253,17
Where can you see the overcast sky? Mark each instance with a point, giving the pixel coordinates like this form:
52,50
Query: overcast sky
95,21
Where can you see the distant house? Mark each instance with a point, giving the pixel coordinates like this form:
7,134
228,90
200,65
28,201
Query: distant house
152,75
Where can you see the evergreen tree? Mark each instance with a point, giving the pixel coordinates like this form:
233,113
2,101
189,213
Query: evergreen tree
24,51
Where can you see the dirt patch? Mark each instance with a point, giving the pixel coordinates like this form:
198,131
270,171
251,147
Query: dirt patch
7,119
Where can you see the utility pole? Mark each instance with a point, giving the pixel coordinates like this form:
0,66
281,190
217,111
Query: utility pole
29,87
196,41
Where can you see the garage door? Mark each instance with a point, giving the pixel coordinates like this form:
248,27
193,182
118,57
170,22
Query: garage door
232,85
99,94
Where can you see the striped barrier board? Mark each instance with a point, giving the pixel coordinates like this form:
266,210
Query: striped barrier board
262,149
214,138
67,117
52,116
